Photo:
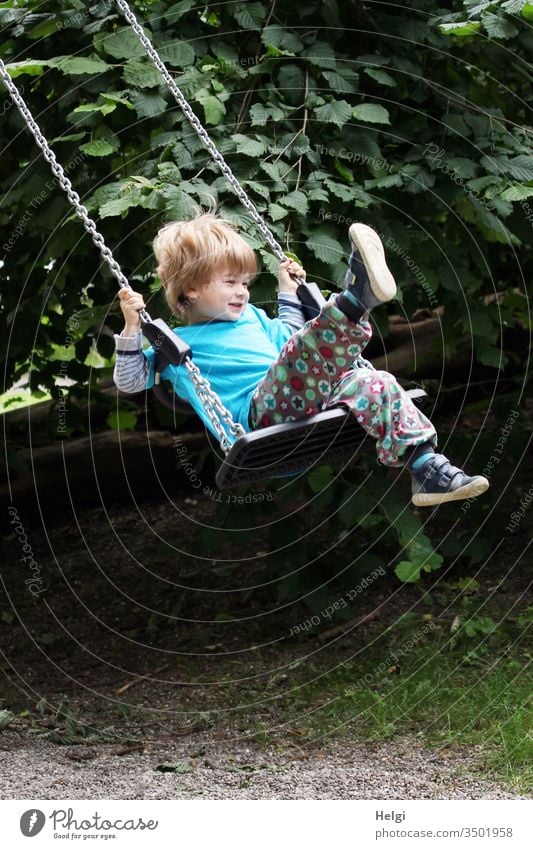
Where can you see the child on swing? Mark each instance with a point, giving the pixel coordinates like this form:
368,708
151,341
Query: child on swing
268,371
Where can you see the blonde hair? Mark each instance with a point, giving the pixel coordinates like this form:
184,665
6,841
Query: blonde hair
188,253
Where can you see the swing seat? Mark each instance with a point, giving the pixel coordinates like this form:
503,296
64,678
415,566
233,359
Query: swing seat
325,438
328,437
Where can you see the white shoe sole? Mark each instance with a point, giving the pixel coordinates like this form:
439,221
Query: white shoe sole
369,245
429,499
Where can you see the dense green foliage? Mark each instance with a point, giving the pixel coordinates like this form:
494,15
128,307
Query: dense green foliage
326,113
409,117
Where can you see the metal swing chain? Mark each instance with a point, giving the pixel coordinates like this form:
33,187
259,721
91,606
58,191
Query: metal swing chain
213,406
202,133
67,186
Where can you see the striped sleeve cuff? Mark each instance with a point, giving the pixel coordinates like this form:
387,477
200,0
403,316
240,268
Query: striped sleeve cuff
128,344
290,310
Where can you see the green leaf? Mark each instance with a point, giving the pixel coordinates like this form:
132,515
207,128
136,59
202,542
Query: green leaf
517,193
270,262
322,55
259,188
249,146
489,355
324,246
527,12
339,84
381,77
97,147
295,200
67,138
250,15
461,30
372,113
335,112
283,39
274,173
481,183
33,67
276,212
320,478
116,97
78,65
124,44
318,194
478,322
291,82
175,12
116,206
179,204
148,104
408,572
179,54
497,26
345,172
260,114
373,59
121,420
387,181
521,168
347,193
6,717
214,109
462,166
141,74
417,179
179,767
87,108
513,6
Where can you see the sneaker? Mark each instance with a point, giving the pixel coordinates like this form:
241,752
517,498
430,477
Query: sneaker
368,279
437,481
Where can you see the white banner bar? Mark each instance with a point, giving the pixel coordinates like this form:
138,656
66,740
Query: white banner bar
205,824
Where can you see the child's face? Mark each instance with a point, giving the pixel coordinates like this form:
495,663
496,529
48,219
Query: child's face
223,299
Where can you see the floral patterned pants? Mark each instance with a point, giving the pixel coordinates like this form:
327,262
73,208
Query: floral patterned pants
315,370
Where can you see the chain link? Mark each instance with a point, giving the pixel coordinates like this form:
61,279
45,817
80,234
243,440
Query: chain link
214,408
66,185
201,131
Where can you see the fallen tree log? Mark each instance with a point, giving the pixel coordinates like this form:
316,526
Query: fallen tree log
101,469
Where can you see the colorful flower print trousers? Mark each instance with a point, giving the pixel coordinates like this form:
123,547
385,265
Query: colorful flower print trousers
315,370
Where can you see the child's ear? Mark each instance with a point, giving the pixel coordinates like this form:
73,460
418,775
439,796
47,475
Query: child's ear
191,294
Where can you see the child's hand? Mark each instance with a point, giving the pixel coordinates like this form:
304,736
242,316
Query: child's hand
288,270
130,304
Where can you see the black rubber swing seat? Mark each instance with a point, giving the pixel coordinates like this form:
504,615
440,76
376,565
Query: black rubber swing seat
324,438
328,437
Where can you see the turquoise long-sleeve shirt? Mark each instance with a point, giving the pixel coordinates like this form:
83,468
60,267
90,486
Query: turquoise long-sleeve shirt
233,355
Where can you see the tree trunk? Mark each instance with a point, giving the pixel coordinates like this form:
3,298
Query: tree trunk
102,468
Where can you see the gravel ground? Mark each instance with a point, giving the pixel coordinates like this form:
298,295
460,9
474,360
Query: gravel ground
94,644
35,769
